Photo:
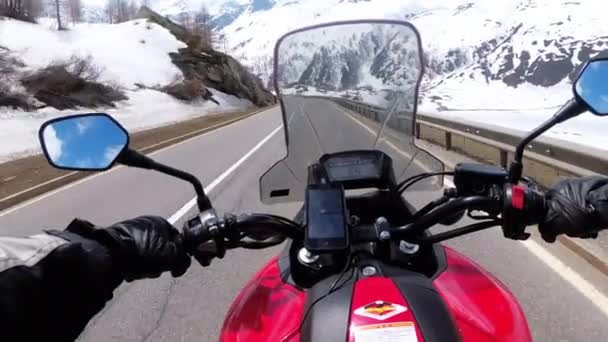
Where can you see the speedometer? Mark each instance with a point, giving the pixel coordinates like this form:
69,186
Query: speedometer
361,167
342,169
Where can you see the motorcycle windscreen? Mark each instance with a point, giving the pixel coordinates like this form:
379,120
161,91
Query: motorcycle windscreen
347,86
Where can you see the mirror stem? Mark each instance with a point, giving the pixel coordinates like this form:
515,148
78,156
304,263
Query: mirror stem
133,158
569,110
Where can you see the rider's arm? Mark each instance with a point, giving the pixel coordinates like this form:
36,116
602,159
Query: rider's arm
577,207
52,284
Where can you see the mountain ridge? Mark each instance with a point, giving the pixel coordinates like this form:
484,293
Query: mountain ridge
515,43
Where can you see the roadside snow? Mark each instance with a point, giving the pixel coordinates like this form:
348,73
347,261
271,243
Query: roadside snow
131,52
521,109
144,109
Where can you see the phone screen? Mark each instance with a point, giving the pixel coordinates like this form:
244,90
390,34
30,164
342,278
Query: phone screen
326,223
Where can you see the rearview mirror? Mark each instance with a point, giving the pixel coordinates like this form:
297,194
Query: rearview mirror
591,87
90,142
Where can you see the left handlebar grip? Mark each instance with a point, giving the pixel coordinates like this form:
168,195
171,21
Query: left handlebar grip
194,233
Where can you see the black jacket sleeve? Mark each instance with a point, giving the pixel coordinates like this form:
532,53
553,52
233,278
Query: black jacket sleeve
53,299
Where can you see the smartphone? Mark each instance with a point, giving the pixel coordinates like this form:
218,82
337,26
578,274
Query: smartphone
326,228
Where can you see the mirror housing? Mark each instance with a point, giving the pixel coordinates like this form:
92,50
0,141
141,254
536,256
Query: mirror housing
84,142
95,142
591,86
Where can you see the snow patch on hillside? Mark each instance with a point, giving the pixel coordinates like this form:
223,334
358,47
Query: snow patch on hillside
130,52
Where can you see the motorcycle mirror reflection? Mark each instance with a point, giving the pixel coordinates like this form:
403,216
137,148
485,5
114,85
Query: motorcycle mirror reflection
592,86
89,142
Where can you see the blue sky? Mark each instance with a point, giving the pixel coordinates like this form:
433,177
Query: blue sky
85,142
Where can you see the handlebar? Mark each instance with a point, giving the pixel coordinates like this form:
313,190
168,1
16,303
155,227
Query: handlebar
261,229
518,206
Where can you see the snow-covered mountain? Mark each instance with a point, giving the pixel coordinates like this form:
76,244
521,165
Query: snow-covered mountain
371,62
364,55
479,54
509,42
482,55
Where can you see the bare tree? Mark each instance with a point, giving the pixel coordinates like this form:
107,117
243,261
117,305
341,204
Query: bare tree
133,8
222,42
58,5
202,28
118,11
33,8
21,9
75,10
110,11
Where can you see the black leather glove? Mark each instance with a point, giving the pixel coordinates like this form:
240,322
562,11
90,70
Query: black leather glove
576,207
145,247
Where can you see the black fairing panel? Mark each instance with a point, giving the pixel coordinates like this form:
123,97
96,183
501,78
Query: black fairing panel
328,319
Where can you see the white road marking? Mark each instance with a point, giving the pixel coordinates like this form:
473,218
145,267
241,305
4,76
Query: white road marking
188,206
86,179
595,296
371,131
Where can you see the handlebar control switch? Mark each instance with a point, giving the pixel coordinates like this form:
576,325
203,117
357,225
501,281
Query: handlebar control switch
478,179
523,206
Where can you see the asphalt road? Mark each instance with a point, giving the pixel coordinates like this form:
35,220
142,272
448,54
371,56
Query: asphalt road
192,308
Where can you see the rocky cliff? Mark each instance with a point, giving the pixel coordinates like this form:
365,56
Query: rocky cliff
215,69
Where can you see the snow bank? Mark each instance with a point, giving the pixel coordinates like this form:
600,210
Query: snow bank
144,109
522,109
130,52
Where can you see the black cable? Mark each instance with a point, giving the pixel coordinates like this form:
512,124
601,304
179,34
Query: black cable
439,213
331,290
413,180
430,206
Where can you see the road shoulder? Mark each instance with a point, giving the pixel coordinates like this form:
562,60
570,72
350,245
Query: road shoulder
25,178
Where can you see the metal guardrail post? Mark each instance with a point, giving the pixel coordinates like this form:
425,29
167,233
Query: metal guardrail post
504,158
448,141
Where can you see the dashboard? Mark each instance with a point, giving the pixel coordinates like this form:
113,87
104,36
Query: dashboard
356,166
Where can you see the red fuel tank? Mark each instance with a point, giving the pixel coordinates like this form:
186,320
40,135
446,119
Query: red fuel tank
407,307
484,309
267,309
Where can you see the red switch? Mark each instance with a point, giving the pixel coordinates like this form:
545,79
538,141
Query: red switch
518,195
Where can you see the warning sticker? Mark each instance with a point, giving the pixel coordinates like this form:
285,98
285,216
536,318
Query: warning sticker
387,332
380,310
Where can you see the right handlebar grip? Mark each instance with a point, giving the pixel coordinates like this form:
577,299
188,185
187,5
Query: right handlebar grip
523,206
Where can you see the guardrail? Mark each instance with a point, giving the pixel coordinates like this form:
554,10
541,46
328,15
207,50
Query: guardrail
546,160
401,121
